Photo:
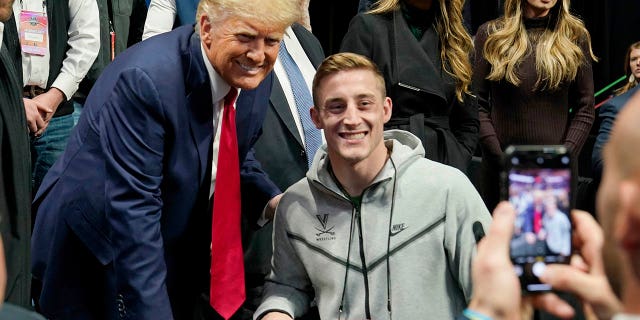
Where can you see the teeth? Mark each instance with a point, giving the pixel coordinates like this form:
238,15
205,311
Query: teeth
354,135
248,68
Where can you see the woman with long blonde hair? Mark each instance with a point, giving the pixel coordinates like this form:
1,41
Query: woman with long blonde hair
534,79
422,49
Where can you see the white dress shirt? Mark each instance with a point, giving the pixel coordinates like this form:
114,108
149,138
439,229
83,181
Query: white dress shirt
308,72
160,18
1,33
219,89
84,44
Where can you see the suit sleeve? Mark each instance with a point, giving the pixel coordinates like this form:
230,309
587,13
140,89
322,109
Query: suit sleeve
607,113
581,102
287,288
465,209
132,135
257,187
488,136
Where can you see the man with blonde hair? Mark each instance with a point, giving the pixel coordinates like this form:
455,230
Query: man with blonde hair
140,217
375,229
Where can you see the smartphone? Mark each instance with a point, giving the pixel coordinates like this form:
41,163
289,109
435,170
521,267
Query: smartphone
538,181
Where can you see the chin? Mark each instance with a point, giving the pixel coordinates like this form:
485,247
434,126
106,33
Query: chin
247,83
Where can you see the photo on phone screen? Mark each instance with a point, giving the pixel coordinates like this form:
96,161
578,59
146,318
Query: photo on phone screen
541,195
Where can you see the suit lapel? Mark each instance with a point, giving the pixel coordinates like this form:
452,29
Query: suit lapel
309,44
281,107
278,100
412,65
199,102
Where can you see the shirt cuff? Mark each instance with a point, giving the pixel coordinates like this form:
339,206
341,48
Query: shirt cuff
262,220
67,84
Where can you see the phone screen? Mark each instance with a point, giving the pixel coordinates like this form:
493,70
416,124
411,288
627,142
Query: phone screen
542,231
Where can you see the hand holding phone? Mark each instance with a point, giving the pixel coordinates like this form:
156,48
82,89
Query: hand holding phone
538,180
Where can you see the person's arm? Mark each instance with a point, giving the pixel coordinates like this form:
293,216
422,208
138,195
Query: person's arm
287,290
84,44
581,100
258,190
160,18
260,195
481,68
465,215
133,137
607,113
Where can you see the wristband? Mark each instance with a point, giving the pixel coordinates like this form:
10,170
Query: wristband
474,315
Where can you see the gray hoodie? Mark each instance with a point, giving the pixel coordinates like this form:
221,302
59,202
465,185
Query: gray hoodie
407,247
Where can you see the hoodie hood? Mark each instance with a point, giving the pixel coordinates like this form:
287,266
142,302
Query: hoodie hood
405,149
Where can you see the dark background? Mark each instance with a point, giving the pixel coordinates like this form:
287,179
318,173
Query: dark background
612,23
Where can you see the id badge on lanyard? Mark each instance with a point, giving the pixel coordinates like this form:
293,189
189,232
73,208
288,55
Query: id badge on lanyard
33,32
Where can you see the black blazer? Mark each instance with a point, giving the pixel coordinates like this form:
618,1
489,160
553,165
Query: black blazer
280,149
423,94
15,174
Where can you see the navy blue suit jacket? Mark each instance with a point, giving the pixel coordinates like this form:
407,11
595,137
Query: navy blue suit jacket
123,216
607,114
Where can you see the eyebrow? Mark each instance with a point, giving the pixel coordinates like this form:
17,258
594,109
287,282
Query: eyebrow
359,96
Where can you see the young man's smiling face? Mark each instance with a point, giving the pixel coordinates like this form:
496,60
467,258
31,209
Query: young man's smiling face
352,110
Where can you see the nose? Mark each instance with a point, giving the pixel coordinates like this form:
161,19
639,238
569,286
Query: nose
256,51
351,115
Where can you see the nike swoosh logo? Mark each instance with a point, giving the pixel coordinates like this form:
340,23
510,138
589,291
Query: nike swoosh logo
395,233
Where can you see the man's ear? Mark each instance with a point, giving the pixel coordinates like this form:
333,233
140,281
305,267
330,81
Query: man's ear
205,29
387,106
627,221
315,117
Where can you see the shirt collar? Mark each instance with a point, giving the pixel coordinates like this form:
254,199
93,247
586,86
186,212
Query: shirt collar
1,32
219,87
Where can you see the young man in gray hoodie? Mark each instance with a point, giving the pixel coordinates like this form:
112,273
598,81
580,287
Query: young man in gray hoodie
375,229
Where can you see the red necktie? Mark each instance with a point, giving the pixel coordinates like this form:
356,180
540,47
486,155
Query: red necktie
227,291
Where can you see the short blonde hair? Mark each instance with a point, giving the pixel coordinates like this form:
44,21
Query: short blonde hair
277,13
345,61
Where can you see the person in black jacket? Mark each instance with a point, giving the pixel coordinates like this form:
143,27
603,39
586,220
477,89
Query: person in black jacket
422,48
15,171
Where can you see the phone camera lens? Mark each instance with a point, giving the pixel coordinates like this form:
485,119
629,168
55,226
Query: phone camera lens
540,160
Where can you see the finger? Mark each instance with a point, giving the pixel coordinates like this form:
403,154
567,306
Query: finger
553,304
590,239
42,128
501,228
31,123
568,278
42,107
578,263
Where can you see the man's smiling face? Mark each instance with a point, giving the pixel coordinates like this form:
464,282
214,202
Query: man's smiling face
352,111
242,51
